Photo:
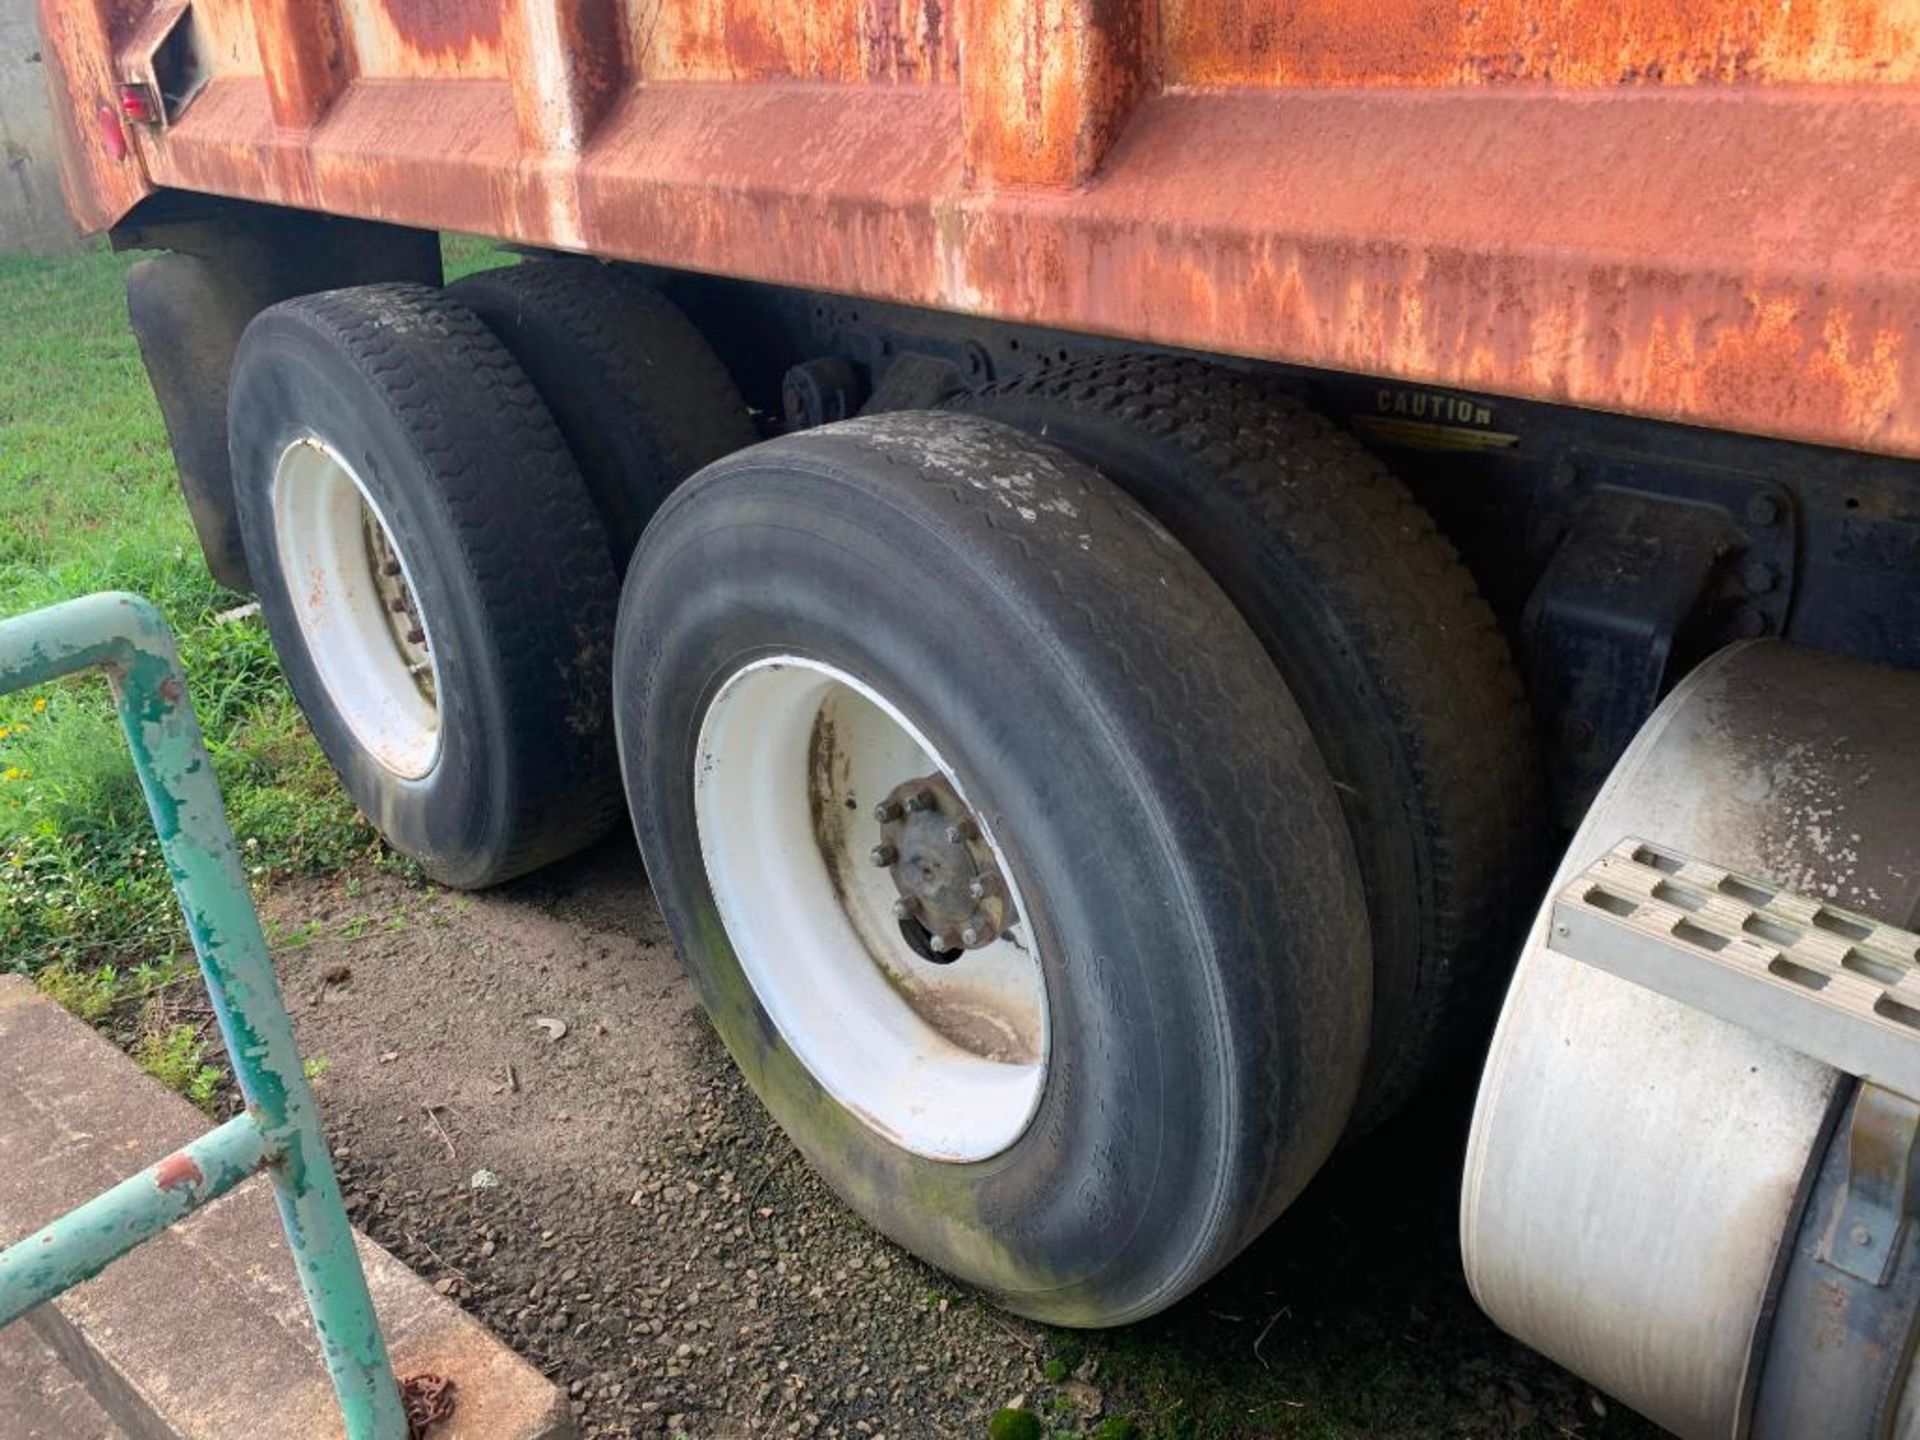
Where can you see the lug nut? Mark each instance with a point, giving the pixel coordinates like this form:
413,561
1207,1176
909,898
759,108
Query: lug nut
920,800
979,887
970,935
883,854
961,833
887,811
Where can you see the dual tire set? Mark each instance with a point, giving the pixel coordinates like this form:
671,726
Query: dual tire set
1071,839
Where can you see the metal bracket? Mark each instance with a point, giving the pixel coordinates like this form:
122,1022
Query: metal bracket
1833,1348
1647,566
1883,1144
1838,986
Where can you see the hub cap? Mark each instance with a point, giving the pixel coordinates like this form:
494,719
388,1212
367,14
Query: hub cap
870,909
952,896
355,601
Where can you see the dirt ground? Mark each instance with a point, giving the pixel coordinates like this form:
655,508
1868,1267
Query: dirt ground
614,1201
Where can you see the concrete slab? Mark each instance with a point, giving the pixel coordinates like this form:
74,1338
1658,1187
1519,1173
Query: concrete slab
40,1399
202,1333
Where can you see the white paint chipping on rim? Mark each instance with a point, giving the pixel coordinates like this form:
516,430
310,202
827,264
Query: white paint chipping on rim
947,1061
320,513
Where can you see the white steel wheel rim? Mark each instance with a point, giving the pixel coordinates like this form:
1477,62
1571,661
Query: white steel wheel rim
326,526
946,1061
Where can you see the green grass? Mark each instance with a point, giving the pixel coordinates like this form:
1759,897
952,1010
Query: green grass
177,1057
88,501
461,255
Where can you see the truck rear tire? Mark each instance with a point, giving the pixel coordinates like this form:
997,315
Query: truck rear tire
1398,665
638,393
433,575
858,665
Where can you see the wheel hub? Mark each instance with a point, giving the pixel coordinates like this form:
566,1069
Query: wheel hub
946,1060
952,896
396,600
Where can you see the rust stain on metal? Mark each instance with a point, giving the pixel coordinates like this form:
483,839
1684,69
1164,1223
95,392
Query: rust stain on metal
832,41
1562,42
1312,226
1667,283
98,174
444,28
1051,86
1630,208
566,61
429,39
429,1400
306,57
177,1171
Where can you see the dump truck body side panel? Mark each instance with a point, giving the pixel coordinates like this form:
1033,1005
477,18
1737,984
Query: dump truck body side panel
1683,209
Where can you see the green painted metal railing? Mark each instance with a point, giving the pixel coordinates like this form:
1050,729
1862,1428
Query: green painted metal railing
125,636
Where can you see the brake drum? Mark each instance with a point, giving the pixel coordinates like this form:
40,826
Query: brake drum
1638,1169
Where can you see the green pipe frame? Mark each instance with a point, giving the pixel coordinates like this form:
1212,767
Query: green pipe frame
280,1130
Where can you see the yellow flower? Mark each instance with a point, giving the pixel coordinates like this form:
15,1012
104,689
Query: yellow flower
13,772
39,704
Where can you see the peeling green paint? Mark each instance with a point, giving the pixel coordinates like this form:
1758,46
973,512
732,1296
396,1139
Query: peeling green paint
87,1239
126,637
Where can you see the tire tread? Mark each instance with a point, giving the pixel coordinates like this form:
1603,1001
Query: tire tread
1417,632
529,538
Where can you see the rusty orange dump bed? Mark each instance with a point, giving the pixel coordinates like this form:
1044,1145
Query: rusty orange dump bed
1700,210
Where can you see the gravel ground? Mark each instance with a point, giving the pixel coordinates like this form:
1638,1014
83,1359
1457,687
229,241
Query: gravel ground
614,1202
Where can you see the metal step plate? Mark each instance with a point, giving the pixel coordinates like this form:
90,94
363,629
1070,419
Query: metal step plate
1841,987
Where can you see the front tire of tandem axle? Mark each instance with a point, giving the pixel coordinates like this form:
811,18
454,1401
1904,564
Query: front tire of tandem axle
433,574
1398,665
999,853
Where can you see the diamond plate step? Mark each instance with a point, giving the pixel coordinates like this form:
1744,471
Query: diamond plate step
1836,985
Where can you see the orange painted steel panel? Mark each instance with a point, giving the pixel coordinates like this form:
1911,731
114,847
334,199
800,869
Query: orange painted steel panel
567,65
1638,235
99,171
306,56
1050,86
833,41
428,39
1559,42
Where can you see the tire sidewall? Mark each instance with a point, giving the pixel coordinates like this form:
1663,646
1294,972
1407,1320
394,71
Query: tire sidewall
289,389
1102,1209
